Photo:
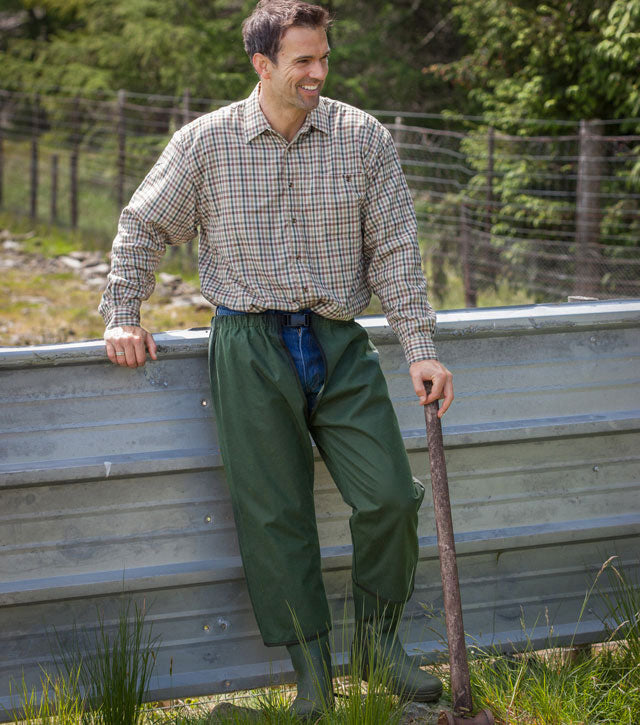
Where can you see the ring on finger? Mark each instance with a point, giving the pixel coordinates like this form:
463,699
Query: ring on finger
119,353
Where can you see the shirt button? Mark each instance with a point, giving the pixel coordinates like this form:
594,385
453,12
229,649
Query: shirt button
298,257
305,288
293,220
291,184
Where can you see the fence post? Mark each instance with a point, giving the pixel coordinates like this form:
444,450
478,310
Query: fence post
122,146
490,153
73,162
35,123
1,165
397,134
186,102
591,167
470,292
54,188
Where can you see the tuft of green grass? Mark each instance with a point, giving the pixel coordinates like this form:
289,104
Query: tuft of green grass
578,686
59,701
114,666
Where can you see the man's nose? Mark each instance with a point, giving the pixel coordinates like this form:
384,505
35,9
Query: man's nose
319,70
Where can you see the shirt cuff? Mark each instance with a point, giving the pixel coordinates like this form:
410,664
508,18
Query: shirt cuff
123,315
419,347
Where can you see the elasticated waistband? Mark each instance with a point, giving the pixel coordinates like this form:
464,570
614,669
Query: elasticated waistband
268,320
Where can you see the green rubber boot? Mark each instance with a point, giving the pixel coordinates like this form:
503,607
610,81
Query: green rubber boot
376,645
312,664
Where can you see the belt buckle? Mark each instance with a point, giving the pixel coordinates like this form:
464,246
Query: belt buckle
296,319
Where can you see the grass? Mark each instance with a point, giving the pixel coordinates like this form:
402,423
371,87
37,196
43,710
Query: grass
571,686
557,686
102,675
46,308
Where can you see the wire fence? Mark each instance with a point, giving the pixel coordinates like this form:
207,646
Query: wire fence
555,215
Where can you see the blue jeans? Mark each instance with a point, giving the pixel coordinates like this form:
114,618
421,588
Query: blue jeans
304,351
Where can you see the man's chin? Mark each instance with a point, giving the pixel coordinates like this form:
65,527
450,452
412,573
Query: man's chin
309,102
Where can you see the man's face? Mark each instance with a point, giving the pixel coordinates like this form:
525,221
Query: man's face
296,80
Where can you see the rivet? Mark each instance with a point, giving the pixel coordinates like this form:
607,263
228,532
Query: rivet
208,519
204,403
227,683
222,623
206,628
596,468
592,339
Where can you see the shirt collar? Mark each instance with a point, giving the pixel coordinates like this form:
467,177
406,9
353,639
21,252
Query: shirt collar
255,122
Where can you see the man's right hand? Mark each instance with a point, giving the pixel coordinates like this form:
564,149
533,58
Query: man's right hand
128,345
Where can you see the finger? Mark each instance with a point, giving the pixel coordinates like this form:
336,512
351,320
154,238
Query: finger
448,397
139,350
129,354
120,355
438,381
151,346
418,386
111,353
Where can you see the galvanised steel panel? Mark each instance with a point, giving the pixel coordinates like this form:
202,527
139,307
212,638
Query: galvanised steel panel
111,481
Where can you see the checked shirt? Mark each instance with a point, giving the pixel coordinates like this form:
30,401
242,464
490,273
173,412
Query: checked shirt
320,222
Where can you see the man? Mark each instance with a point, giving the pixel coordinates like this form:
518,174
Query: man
302,211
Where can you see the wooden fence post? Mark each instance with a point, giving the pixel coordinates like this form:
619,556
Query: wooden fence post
591,168
397,133
1,165
54,188
122,147
490,155
186,111
35,124
470,292
73,162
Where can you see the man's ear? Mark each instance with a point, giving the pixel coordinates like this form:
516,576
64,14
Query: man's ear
262,65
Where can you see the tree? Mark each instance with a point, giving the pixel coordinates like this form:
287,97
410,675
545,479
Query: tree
530,63
568,59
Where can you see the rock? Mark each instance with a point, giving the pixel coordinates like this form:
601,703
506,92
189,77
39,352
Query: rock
200,303
101,268
70,262
6,234
97,282
227,712
180,302
11,246
421,713
169,279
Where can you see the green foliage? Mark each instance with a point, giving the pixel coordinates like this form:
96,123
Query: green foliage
569,59
114,665
381,49
570,686
59,701
141,45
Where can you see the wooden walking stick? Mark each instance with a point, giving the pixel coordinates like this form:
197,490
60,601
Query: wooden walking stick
459,666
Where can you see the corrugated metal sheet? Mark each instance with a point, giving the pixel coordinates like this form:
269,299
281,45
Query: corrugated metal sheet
111,480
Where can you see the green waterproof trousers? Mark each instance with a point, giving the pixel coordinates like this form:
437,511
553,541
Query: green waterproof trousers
263,432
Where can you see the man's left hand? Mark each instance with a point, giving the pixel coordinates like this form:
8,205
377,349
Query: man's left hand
441,380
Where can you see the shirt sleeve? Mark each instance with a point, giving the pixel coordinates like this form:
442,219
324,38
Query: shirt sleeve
162,211
390,243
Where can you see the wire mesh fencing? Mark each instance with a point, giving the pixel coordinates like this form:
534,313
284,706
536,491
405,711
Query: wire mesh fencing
555,215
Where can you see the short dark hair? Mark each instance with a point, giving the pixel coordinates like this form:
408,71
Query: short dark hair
262,31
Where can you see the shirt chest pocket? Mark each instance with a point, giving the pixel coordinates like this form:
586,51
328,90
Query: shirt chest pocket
337,199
